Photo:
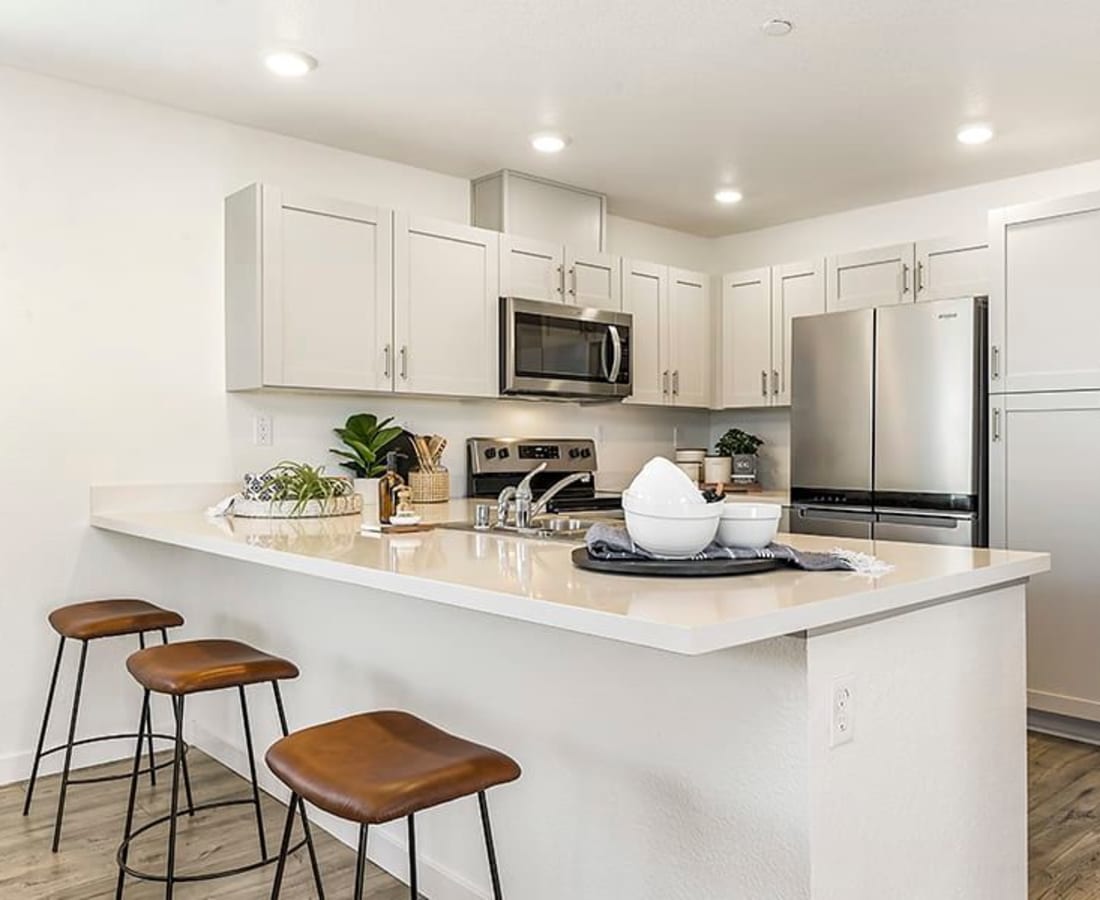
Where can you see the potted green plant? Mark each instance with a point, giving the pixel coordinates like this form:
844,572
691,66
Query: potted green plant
293,490
741,447
366,440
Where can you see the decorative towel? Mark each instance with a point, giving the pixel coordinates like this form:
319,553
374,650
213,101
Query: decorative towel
613,542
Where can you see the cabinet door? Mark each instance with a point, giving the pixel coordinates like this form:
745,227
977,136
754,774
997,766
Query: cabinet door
746,327
645,297
952,267
530,268
593,279
689,331
1045,302
446,302
870,278
798,289
327,293
1053,504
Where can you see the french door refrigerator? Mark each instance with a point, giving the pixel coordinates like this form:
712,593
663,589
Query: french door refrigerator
888,423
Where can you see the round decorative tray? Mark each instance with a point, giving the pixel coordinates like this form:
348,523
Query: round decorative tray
349,505
673,568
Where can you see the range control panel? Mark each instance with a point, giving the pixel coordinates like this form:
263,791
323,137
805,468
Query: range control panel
498,455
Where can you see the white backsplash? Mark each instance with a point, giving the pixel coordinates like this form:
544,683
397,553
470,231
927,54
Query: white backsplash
774,426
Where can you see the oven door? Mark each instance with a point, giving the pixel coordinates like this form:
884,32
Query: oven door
556,350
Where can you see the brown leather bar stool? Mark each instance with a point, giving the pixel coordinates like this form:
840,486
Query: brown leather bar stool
380,766
86,622
192,667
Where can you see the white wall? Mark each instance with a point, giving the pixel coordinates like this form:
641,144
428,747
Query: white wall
111,348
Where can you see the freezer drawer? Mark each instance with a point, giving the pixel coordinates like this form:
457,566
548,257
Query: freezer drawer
925,528
832,522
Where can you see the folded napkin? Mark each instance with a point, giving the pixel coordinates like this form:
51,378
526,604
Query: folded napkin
612,542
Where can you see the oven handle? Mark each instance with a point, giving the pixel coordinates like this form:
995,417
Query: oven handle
617,357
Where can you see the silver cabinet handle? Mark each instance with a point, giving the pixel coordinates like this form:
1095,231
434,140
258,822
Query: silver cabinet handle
561,277
386,356
920,276
404,362
676,382
763,383
664,382
775,382
996,424
573,276
905,278
995,363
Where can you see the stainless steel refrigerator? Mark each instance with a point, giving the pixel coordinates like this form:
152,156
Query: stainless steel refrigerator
888,423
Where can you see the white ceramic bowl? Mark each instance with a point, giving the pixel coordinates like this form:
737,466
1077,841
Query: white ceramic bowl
660,482
675,530
750,525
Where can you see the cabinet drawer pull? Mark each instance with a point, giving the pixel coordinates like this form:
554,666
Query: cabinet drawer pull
996,424
676,382
995,363
561,280
404,362
904,278
763,383
573,275
775,382
386,356
920,276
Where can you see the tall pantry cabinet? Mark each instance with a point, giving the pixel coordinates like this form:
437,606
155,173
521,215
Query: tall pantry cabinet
1045,434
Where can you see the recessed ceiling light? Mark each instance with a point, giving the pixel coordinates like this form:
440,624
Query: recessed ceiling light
978,133
549,142
727,196
777,27
290,63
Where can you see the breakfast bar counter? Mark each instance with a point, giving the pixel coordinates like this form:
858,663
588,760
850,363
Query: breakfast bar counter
786,734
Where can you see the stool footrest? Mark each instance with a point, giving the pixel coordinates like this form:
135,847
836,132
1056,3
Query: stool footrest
202,876
100,779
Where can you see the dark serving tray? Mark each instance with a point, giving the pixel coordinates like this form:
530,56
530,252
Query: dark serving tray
673,568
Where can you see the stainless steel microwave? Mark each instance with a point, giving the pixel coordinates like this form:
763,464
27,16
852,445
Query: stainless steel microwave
558,350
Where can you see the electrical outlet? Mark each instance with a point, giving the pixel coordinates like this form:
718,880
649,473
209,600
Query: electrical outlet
842,721
262,430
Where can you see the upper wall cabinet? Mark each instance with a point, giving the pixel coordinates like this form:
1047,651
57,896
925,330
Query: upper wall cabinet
758,307
1045,297
870,278
952,267
446,290
308,292
645,297
539,270
689,331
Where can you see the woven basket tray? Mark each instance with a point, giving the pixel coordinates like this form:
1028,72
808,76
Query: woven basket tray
430,487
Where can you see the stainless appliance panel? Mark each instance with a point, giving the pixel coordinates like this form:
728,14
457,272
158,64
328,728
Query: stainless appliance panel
832,400
927,406
925,528
832,522
557,350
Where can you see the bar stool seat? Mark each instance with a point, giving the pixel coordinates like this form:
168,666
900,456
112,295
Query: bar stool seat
111,618
381,766
191,667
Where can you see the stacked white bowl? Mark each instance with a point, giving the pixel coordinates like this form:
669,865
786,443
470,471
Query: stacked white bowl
752,525
666,514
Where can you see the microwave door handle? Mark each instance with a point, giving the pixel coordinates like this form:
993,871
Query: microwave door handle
617,354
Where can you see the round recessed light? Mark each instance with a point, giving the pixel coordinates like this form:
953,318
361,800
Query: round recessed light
777,27
549,142
978,133
727,196
290,63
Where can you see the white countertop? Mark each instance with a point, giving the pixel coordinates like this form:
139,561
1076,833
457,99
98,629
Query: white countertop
535,580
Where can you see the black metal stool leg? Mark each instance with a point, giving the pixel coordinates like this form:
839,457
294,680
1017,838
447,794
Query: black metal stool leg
170,883
177,709
284,848
314,864
487,828
413,892
124,849
252,771
69,746
152,759
360,863
45,726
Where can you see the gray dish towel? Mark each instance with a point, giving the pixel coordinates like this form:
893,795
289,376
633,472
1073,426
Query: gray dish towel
612,542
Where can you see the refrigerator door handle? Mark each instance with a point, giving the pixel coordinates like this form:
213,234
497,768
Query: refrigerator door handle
839,515
924,520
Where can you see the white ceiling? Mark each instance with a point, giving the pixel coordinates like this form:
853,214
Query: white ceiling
664,99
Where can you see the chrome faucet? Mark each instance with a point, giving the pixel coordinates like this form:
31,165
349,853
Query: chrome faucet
523,499
556,488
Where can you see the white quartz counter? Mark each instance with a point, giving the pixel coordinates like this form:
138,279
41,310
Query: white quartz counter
535,581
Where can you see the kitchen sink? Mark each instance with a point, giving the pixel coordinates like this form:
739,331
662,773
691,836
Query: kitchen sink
572,527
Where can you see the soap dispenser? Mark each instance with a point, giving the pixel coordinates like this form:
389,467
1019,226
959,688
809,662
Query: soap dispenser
387,488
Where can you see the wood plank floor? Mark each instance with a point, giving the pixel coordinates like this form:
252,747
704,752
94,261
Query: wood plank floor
1064,804
94,816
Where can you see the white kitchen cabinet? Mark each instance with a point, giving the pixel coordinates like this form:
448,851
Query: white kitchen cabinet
1044,498
797,289
878,277
530,268
689,318
952,267
1045,297
593,280
446,297
746,339
645,297
308,292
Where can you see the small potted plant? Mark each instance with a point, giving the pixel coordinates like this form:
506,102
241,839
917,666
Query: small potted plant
740,447
366,440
